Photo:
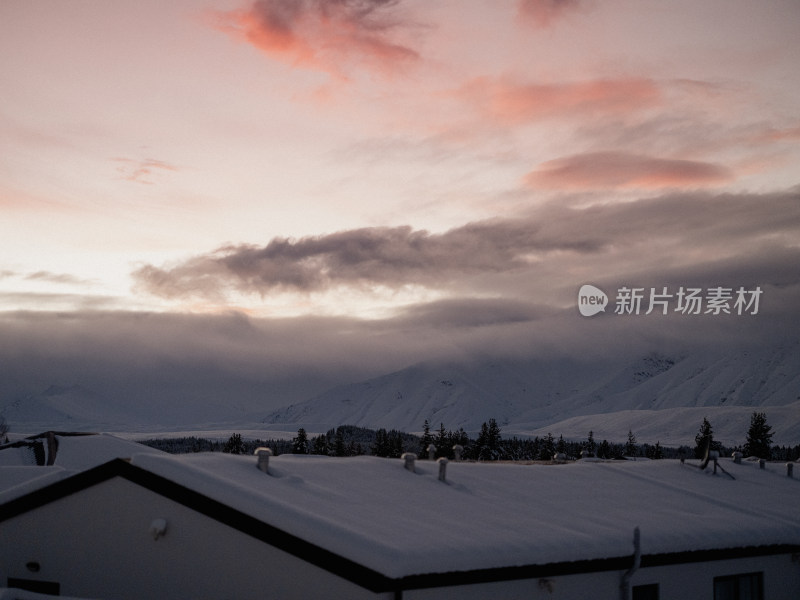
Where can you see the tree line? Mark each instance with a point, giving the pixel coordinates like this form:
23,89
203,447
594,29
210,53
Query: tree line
489,445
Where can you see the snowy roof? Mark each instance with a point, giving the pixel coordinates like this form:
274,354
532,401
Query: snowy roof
17,481
75,451
80,452
370,516
19,473
398,523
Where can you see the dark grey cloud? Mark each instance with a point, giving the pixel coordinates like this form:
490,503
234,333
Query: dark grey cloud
471,312
389,256
557,243
189,368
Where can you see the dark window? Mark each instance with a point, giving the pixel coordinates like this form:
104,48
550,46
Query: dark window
31,585
748,586
645,592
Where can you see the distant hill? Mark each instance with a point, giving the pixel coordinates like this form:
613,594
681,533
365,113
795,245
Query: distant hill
665,396
660,396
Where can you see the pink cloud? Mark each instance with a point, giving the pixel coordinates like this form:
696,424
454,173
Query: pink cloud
778,135
142,170
622,170
543,13
323,35
512,102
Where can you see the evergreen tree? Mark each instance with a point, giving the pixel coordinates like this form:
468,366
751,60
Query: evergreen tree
234,445
461,437
482,443
395,444
379,448
705,439
604,450
630,446
561,446
591,446
655,452
443,442
759,436
300,443
547,448
494,436
489,441
425,441
319,445
338,443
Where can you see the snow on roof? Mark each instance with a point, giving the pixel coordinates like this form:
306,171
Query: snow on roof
373,511
19,473
81,452
76,451
16,481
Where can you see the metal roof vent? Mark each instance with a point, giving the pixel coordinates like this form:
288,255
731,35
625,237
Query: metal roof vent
442,469
408,461
263,455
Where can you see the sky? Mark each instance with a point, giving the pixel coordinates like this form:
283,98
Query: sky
285,194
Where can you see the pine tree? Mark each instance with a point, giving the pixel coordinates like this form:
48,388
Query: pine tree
425,441
604,450
591,446
338,443
759,436
300,443
630,446
705,440
234,445
494,436
655,452
561,446
395,444
379,448
443,442
482,443
547,448
319,445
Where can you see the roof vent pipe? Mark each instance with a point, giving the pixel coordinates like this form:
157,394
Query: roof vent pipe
442,469
714,456
789,470
431,452
457,450
263,455
737,457
761,463
408,461
625,584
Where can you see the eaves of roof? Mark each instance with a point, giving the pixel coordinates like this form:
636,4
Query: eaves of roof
342,566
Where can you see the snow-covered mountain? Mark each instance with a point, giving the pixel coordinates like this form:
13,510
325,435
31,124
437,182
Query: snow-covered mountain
664,397
80,408
659,396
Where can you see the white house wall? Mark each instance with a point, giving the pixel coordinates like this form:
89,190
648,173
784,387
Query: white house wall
689,581
696,580
97,544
